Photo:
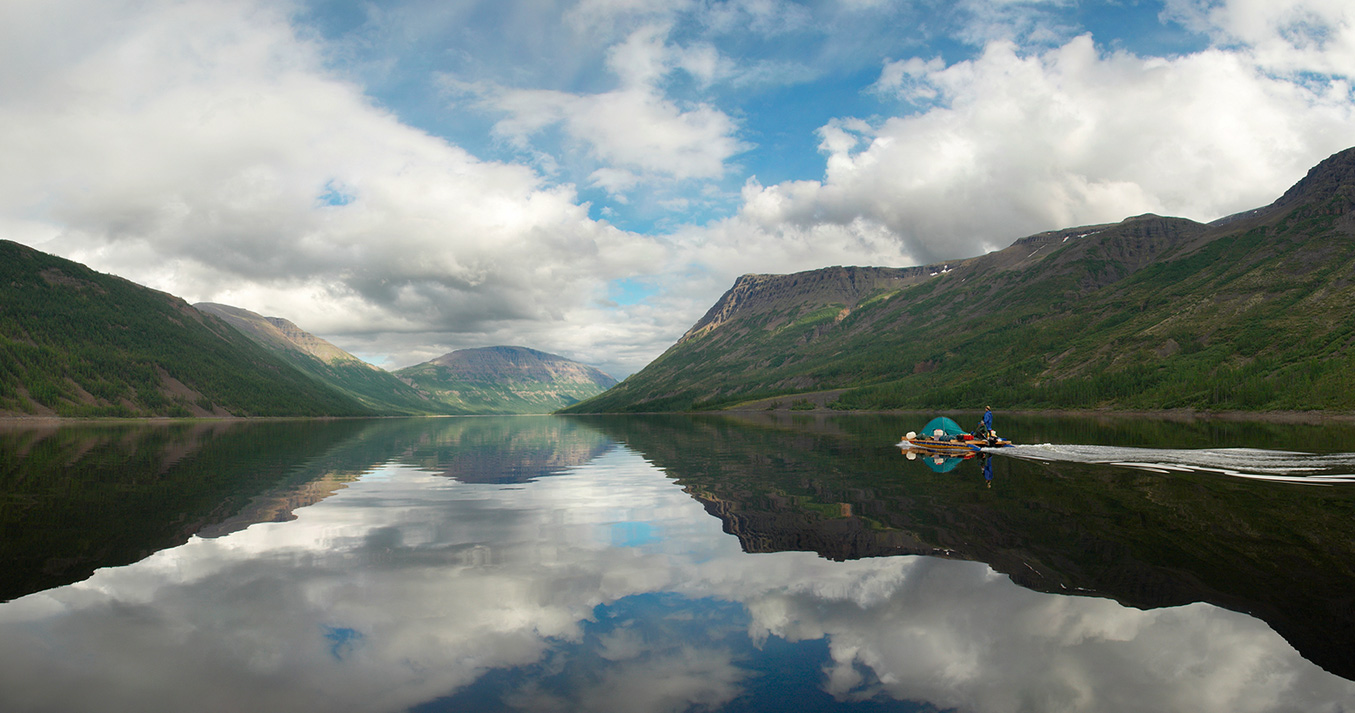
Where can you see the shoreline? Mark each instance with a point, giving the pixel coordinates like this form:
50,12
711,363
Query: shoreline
1295,417
1165,414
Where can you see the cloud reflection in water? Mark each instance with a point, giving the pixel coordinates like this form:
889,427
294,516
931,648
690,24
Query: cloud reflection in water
605,588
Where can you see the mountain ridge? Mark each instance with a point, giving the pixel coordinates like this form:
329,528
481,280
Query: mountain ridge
504,379
78,343
1150,312
329,365
277,331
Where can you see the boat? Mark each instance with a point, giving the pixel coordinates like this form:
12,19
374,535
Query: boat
942,435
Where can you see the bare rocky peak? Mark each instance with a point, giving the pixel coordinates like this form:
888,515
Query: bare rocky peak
1333,178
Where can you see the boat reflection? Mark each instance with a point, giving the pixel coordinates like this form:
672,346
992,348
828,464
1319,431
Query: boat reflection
941,462
936,460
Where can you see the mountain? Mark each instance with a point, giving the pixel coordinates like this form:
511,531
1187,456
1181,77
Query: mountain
373,387
505,380
75,342
1251,312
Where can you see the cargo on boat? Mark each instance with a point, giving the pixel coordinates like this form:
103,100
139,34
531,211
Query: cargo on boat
942,435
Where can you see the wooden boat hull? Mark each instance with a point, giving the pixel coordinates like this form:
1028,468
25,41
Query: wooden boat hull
955,446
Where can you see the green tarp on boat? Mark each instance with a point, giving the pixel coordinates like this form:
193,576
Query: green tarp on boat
949,427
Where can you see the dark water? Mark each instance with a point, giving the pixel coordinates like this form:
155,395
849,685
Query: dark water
676,563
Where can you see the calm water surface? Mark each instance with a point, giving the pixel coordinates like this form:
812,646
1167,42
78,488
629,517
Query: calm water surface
752,563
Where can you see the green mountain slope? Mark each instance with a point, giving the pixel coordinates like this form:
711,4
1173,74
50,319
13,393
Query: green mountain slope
504,380
373,387
1252,312
75,342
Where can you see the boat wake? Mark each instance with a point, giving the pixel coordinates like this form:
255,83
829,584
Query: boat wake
1278,466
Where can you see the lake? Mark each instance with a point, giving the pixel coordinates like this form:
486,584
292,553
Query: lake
759,562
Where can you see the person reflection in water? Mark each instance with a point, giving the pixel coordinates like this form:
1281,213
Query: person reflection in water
987,469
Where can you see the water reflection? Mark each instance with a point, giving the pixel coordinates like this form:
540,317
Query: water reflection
505,450
73,498
1145,539
604,587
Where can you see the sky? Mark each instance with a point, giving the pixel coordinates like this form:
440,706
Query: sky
587,177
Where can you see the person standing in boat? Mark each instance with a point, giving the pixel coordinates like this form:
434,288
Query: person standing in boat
986,426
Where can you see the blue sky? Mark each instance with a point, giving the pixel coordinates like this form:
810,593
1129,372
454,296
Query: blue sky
587,177
817,62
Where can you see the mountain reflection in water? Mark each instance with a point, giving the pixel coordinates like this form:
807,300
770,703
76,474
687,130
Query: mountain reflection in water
581,578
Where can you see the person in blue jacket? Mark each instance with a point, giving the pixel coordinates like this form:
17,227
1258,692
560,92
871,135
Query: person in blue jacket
986,426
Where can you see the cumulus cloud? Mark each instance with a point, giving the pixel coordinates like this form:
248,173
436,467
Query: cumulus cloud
1011,143
1287,37
203,149
635,128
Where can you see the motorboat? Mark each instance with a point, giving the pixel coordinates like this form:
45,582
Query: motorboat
942,435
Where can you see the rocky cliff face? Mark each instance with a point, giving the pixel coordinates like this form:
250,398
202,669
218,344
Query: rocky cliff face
1330,183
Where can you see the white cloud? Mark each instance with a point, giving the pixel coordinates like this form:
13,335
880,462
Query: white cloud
1287,37
1028,21
193,148
633,130
1017,143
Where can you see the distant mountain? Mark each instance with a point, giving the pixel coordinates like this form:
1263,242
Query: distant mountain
371,386
1252,312
505,380
75,342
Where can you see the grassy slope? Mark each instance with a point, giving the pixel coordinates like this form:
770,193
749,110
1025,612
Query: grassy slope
74,342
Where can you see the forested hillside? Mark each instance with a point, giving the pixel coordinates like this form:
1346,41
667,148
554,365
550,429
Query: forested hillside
1252,312
75,342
